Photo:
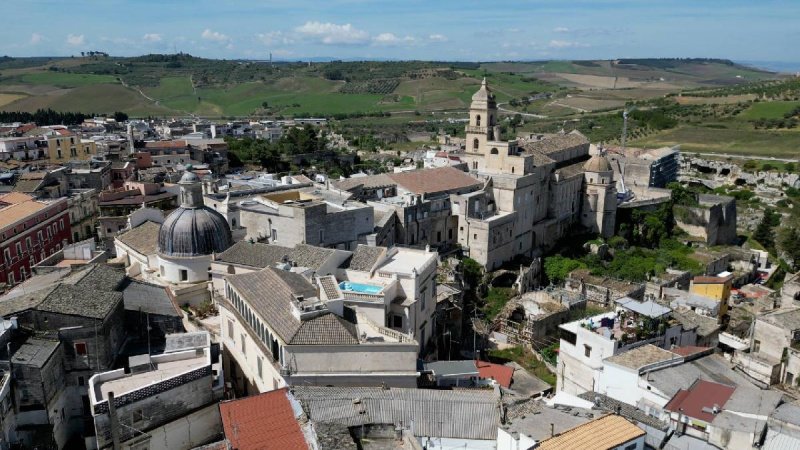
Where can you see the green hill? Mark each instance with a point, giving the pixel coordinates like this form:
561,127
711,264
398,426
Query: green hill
181,84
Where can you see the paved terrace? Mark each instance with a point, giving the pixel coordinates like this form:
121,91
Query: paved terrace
175,364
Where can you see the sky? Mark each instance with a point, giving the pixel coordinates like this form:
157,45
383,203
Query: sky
465,30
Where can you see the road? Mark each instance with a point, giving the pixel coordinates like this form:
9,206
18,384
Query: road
759,157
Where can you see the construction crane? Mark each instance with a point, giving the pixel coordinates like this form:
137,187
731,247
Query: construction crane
623,193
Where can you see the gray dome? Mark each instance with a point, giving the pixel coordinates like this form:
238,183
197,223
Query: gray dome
188,232
189,177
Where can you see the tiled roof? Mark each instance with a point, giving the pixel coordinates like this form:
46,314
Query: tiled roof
269,292
497,372
254,254
327,329
142,239
12,198
262,422
305,255
429,181
572,170
642,356
465,414
788,319
330,286
690,319
605,433
18,211
165,144
368,182
698,401
625,410
80,301
364,258
149,298
556,143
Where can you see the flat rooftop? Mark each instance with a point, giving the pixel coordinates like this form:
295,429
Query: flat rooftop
405,260
159,371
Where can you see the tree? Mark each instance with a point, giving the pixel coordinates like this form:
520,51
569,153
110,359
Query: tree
789,167
763,234
558,267
789,243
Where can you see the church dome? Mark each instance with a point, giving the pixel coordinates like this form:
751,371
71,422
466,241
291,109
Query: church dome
188,232
193,229
597,163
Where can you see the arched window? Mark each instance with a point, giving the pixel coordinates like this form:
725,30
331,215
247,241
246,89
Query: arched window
475,144
478,120
494,151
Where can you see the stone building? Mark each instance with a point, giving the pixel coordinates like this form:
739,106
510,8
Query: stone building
713,220
535,191
177,253
302,333
306,216
160,402
602,290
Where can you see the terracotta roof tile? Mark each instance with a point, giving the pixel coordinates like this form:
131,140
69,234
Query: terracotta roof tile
605,433
262,422
497,372
697,401
429,181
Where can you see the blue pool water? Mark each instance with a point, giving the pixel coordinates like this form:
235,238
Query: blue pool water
360,288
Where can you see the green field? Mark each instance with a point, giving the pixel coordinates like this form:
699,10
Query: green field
182,84
65,80
768,110
738,140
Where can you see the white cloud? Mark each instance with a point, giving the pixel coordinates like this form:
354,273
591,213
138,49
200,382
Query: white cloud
152,37
215,36
36,38
555,43
391,39
331,33
73,39
561,29
274,37
438,38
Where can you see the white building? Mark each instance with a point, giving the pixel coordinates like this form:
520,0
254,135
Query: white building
279,329
167,401
587,342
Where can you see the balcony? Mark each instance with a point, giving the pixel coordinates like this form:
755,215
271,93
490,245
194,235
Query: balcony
474,129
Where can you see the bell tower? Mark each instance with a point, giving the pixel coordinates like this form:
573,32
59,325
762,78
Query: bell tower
482,126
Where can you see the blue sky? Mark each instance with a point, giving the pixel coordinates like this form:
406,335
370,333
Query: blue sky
760,30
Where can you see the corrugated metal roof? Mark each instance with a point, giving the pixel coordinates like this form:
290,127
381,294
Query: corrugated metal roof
464,414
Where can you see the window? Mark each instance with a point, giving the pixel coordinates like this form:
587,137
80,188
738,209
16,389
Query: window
478,120
28,243
183,274
19,248
397,321
568,336
475,236
11,278
81,381
475,144
244,347
450,233
138,416
756,345
80,348
23,274
61,225
7,256
494,151
587,351
230,329
259,364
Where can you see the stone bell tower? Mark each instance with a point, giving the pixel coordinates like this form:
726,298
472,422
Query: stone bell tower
482,126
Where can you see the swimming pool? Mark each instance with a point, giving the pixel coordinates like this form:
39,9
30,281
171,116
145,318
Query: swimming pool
361,288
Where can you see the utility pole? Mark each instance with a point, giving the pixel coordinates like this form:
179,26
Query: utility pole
112,414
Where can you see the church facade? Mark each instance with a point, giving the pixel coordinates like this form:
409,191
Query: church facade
535,191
